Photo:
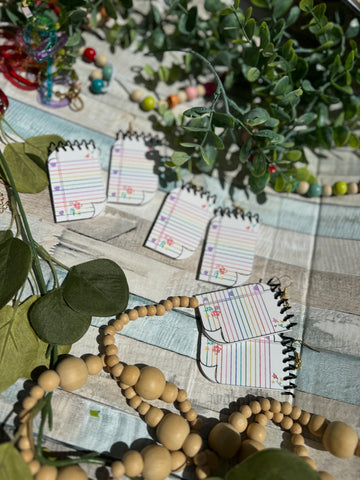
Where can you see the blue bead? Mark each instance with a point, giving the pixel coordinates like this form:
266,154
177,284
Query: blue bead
97,85
107,71
314,190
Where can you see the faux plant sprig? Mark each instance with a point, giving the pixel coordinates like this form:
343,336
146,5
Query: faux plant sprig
36,329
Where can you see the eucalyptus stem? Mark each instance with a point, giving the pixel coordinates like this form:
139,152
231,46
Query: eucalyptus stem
32,243
11,128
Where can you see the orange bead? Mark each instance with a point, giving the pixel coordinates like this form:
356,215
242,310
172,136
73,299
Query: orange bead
172,100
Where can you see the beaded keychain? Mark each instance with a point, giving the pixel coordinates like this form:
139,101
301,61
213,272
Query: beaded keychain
100,79
180,443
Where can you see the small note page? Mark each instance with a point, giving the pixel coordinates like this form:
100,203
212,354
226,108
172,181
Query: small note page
181,223
76,182
131,175
242,313
262,362
229,250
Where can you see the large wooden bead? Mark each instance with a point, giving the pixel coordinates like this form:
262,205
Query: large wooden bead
192,445
130,375
71,472
178,461
257,432
46,472
225,440
49,380
73,373
172,431
151,383
340,439
325,476
248,447
93,364
117,469
238,421
157,462
133,463
317,425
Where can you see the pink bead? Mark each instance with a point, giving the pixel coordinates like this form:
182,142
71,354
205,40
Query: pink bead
210,88
191,93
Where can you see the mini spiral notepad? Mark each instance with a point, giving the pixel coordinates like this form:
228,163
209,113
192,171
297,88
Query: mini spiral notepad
228,254
181,223
131,174
76,182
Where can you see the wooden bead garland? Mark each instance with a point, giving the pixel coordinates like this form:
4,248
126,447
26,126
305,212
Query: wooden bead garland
242,435
316,190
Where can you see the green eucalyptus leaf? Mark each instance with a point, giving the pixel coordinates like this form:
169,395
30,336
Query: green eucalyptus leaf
293,16
5,235
260,3
179,158
12,465
325,136
259,165
15,264
55,322
27,175
294,155
156,15
256,116
21,350
164,73
306,5
245,151
322,115
149,70
253,74
214,140
282,86
258,184
272,136
213,6
73,39
196,111
158,38
98,287
280,8
353,28
38,147
341,135
223,120
306,119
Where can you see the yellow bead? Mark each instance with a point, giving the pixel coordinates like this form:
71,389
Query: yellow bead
317,425
224,440
49,380
151,383
157,462
192,444
170,393
133,463
286,408
246,411
200,90
73,373
172,431
286,423
295,413
154,416
143,408
275,406
46,472
182,96
340,439
130,375
117,469
257,432
178,461
325,476
248,447
238,421
37,392
352,188
93,364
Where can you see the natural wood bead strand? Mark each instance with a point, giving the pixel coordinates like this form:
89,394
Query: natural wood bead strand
278,416
93,364
185,406
268,414
142,311
117,370
295,413
130,375
275,406
108,340
143,408
49,380
135,402
111,350
129,393
178,461
170,393
118,469
175,301
167,304
296,428
286,423
261,418
317,425
182,395
184,301
255,407
257,432
286,408
304,418
265,404
154,416
111,360
191,415
28,403
238,421
151,310
110,330
47,472
37,392
300,450
193,302
133,314
133,463
297,439
246,411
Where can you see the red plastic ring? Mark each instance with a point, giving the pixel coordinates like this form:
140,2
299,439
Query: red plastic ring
4,102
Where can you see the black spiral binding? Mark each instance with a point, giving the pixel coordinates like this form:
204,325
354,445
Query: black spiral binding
280,293
198,190
70,145
237,212
148,139
291,361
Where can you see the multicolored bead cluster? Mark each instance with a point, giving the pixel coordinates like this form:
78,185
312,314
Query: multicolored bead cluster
101,76
191,92
316,190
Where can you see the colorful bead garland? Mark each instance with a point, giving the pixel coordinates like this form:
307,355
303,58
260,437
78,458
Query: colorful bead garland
181,444
100,79
316,190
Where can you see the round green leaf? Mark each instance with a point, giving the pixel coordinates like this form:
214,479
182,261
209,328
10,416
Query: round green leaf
98,287
38,147
15,263
55,322
12,465
273,464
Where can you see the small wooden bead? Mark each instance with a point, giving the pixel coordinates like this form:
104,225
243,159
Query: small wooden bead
151,310
275,406
296,428
28,403
317,425
108,340
325,476
123,385
46,472
160,310
196,424
238,421
129,393
182,395
261,418
201,458
37,392
34,466
295,413
73,373
185,406
182,97
133,463
178,461
143,408
265,404
303,187
93,364
352,188
192,444
278,416
340,439
154,416
24,443
136,95
157,462
170,393
71,472
27,455
201,90
184,301
172,431
202,472
96,74
142,311
326,191
119,324
286,408
24,431
224,440
130,375
300,450
248,447
103,359
297,440
111,360
100,60
24,416
167,304
255,407
191,415
49,380
246,411
310,462
110,330
135,402
304,418
286,423
124,318
257,432
111,350
193,302
133,314
118,469
151,383
175,301
117,370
